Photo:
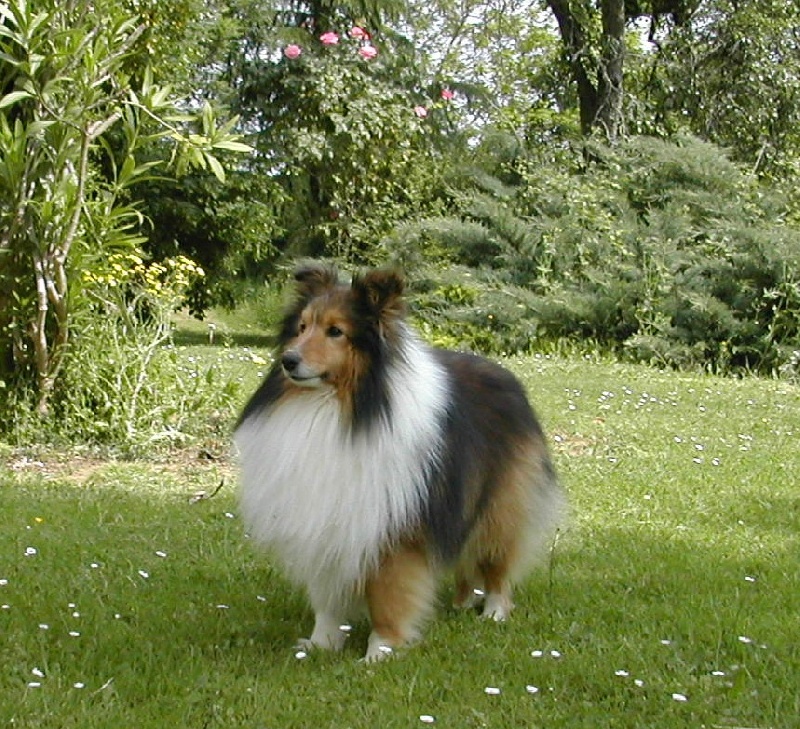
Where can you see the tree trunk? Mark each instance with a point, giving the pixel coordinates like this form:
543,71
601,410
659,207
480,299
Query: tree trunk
610,116
573,37
598,72
598,76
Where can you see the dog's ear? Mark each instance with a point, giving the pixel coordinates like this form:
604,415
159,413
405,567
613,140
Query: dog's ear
312,279
381,292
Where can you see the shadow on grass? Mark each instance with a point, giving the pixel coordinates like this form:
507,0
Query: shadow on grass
192,338
223,328
142,565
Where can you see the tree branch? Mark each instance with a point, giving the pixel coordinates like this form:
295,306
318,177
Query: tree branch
39,336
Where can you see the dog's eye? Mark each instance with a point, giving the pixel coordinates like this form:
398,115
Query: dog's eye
334,332
302,327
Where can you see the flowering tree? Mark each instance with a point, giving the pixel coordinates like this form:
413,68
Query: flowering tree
347,125
64,186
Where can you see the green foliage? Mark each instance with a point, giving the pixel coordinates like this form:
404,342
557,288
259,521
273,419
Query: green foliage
341,155
124,385
72,126
344,135
663,252
230,229
730,77
458,308
501,59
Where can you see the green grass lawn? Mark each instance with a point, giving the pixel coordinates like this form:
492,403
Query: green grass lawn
673,599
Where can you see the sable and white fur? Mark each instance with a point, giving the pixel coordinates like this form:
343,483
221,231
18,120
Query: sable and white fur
372,462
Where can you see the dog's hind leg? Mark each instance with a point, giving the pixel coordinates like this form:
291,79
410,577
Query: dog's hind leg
498,603
499,549
399,596
469,587
511,533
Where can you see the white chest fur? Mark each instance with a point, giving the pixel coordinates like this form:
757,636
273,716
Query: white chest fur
326,501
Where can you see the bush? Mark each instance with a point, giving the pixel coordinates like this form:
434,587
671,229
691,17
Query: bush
660,251
123,385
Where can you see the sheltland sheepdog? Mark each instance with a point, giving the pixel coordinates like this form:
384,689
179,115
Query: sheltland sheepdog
372,463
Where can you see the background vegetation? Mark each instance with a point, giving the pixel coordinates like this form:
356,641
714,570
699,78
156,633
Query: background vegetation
610,174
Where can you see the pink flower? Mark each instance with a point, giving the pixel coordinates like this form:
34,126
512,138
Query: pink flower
292,51
329,39
358,33
368,51
421,111
448,94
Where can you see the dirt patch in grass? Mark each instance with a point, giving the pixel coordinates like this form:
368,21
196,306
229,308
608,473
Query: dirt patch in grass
80,468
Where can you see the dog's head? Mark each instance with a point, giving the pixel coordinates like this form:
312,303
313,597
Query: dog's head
335,333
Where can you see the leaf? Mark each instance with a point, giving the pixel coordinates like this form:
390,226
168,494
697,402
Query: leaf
127,170
233,146
35,22
216,167
229,125
14,97
37,127
160,97
8,58
147,81
208,120
130,170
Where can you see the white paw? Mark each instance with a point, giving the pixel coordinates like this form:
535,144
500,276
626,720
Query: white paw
377,649
330,643
326,642
305,645
327,634
497,608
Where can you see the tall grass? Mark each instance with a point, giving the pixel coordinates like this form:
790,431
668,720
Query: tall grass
671,600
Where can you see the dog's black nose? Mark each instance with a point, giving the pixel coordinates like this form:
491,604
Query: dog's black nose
290,360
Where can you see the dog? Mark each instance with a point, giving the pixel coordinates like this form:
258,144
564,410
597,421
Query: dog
372,464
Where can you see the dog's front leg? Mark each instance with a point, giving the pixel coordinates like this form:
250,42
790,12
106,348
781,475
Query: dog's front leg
328,632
